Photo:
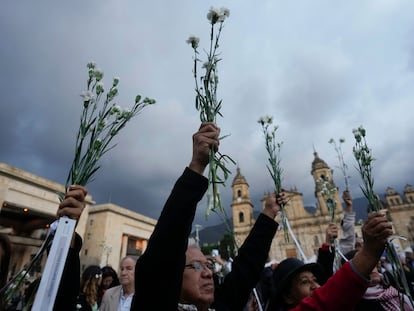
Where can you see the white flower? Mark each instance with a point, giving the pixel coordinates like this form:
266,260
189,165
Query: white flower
361,131
101,124
87,96
115,109
99,88
116,81
98,73
224,12
91,65
193,41
78,306
97,144
215,15
126,114
265,120
112,93
149,101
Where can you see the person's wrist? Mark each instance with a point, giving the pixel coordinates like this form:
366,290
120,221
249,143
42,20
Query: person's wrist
197,167
269,213
330,238
364,261
371,251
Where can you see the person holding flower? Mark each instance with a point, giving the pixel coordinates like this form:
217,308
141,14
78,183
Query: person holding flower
72,206
327,252
296,285
182,277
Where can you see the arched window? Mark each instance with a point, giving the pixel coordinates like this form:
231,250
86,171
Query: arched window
241,217
239,193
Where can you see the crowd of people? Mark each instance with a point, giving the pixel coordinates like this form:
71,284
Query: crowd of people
173,274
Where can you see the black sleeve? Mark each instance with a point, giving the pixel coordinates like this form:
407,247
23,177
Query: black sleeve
247,267
159,271
70,282
326,259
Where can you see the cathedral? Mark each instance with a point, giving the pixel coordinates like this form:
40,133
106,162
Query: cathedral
309,229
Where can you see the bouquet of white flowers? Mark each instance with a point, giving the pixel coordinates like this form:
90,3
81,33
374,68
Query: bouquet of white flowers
101,120
273,149
208,105
342,165
328,191
364,158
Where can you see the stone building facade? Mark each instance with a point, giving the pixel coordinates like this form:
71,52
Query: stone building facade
401,212
309,228
28,205
113,232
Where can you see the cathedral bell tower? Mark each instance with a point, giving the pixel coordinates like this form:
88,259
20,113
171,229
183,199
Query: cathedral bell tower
322,176
242,208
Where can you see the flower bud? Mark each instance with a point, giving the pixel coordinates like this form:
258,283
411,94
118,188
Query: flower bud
116,81
98,73
99,88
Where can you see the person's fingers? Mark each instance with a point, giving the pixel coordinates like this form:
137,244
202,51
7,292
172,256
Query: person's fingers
207,134
73,204
281,197
374,219
73,213
377,227
76,191
209,129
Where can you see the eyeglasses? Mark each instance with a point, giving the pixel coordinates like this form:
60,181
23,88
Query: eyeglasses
199,266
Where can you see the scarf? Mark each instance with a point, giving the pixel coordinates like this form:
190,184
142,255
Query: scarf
387,297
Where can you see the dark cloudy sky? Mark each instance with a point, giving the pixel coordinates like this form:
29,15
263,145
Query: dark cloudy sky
320,68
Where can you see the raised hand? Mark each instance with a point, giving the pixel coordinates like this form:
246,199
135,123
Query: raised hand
73,203
273,204
206,137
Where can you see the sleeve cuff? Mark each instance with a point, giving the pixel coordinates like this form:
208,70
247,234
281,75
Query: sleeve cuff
351,263
325,247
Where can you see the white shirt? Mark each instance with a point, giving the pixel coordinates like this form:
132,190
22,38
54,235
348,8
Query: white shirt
125,303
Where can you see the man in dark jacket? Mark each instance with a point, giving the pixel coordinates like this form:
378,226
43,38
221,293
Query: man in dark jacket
170,272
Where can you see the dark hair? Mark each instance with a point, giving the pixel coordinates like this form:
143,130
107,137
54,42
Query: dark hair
90,273
109,271
88,286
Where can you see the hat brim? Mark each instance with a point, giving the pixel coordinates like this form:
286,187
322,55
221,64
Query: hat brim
315,268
